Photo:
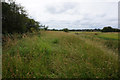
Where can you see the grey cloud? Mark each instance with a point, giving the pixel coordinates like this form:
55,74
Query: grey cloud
88,20
78,24
103,15
54,9
113,19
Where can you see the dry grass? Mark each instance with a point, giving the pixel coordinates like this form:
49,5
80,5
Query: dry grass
58,55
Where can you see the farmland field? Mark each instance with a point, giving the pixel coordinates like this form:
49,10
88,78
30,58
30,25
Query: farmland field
57,54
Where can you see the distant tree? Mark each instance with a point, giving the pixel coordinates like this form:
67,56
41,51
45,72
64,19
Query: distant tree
107,29
110,29
65,30
116,30
96,29
46,28
53,29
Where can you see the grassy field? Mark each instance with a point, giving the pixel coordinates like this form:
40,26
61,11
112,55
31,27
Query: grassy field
61,55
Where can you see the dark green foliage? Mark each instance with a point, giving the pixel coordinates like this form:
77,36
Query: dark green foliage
15,20
46,28
65,30
53,29
110,29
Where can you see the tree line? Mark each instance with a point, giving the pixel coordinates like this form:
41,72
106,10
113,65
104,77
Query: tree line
110,29
16,20
105,29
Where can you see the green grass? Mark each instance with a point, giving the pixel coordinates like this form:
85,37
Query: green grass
113,36
109,40
59,55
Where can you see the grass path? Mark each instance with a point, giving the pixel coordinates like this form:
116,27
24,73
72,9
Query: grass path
57,55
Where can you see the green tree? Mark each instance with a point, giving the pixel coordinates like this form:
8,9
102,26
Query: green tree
107,29
14,19
65,30
46,28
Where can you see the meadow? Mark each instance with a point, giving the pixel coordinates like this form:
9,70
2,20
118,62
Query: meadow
57,54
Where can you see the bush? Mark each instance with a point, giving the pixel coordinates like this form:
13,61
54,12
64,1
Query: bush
16,20
110,29
55,41
65,30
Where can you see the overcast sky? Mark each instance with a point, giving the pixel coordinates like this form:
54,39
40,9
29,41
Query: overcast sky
73,14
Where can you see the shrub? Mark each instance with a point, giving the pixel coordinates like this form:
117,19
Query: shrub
55,41
65,30
110,29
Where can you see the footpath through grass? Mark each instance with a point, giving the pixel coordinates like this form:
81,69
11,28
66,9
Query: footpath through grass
57,55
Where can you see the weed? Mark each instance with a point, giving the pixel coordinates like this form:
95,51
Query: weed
55,41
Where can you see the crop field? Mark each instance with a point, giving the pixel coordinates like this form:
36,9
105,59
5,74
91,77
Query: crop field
57,54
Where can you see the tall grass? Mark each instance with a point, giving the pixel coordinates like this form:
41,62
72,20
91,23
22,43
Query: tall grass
106,40
57,55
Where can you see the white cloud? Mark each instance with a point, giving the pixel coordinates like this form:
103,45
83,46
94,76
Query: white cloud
73,13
